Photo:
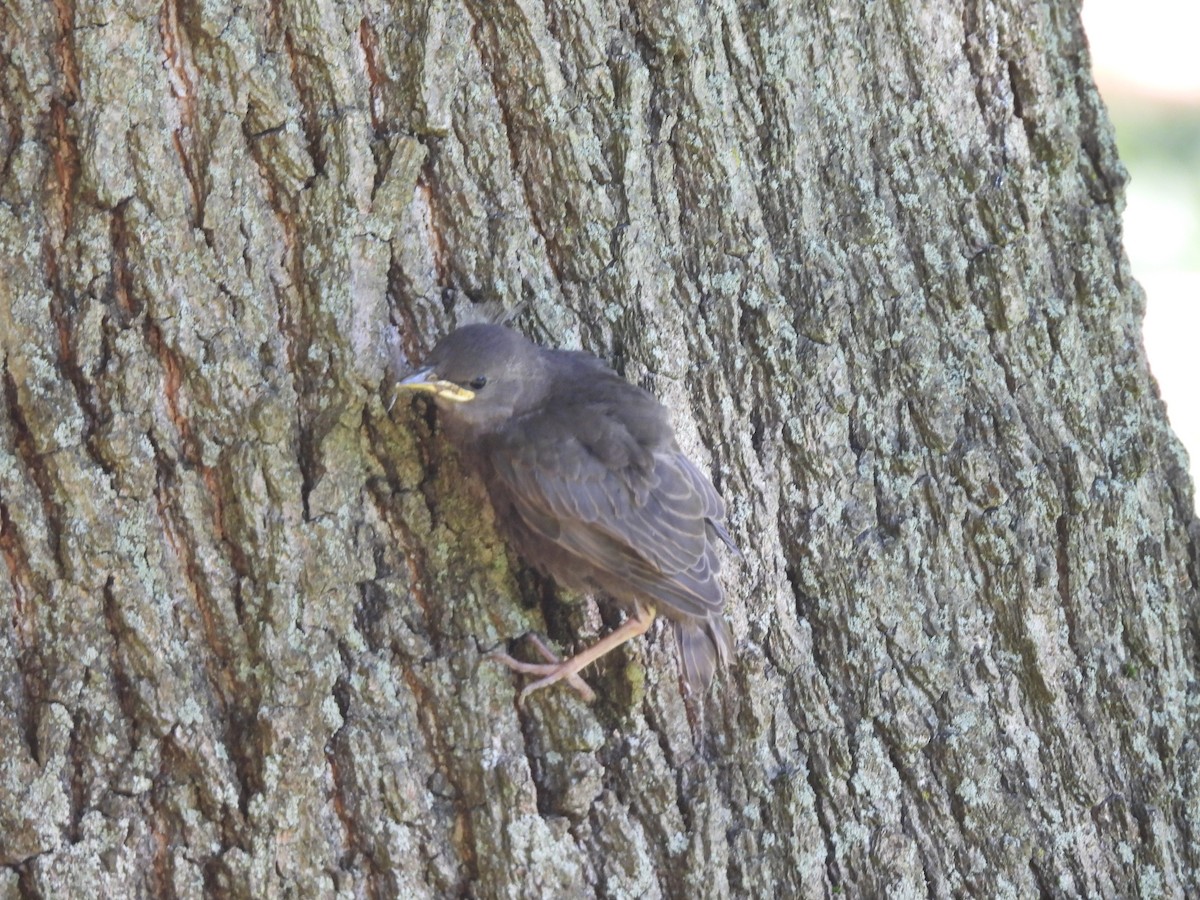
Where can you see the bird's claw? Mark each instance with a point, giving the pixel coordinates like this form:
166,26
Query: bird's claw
552,671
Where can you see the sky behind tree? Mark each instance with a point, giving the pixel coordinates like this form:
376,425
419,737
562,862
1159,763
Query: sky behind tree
1145,66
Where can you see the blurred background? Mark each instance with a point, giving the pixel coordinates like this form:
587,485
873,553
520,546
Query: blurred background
1147,66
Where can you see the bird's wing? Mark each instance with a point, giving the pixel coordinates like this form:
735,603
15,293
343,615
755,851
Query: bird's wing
645,517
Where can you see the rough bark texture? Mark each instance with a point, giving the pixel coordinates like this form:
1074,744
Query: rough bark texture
870,255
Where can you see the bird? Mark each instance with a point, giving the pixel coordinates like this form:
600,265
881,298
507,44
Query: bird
589,485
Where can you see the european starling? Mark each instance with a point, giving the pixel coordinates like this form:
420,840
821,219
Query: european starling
589,484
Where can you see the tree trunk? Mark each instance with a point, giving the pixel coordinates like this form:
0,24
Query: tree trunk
868,253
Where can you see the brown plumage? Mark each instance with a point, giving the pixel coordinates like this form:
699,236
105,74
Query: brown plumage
589,483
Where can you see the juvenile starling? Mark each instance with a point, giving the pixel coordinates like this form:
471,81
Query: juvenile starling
589,484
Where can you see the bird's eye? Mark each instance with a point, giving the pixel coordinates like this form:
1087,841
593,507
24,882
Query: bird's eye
478,382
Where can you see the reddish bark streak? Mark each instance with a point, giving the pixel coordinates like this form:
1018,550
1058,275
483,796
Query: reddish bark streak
183,78
20,577
369,41
65,151
172,368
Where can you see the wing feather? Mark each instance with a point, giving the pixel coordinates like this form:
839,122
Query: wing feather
643,515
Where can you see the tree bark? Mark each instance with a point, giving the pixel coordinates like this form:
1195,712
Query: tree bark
870,256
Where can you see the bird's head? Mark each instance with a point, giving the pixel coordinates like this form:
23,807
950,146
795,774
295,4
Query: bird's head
480,376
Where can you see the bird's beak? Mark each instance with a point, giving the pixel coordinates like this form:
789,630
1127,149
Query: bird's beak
425,380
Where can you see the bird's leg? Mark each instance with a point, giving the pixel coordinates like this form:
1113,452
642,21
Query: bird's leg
553,672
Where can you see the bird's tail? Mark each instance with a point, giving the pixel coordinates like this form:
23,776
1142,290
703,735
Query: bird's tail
702,645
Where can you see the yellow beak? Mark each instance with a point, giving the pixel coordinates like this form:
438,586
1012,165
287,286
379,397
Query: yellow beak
425,380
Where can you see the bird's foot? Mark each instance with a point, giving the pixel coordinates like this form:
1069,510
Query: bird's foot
552,671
